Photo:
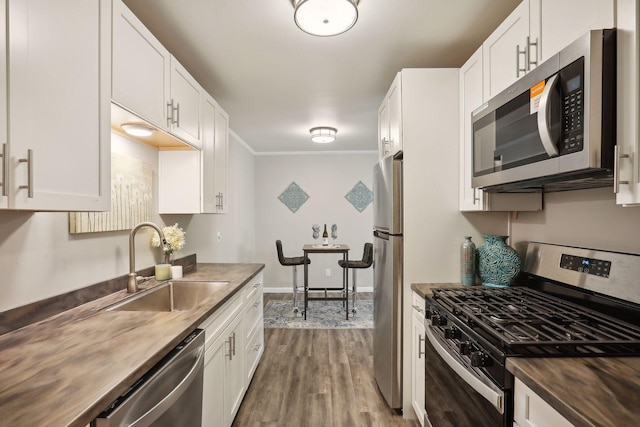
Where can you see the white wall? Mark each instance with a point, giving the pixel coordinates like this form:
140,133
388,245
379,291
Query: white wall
587,218
40,259
326,178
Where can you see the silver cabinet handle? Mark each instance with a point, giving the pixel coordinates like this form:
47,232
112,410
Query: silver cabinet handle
386,144
421,342
234,343
257,347
529,46
172,113
29,162
257,285
544,117
475,197
417,308
5,170
518,68
256,304
616,169
220,202
161,407
230,349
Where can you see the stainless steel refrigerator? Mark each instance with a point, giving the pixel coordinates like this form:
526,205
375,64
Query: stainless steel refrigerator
387,278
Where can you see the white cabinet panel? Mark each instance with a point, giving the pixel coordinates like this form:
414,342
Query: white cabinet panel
141,68
417,362
503,64
4,160
221,160
185,105
179,182
562,22
390,120
531,411
59,97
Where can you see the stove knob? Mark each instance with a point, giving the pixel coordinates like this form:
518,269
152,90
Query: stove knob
452,333
436,320
479,359
464,347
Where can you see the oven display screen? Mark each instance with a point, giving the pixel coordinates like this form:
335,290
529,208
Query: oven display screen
597,267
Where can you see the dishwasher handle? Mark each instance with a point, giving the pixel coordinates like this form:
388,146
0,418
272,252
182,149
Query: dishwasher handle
175,394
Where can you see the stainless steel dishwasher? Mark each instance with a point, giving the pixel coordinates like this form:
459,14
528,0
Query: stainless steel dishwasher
169,395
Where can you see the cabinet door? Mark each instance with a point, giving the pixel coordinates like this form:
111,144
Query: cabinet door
4,148
141,67
59,95
562,22
470,99
234,385
383,129
179,182
185,105
628,103
208,154
417,365
531,411
221,160
213,382
395,114
502,62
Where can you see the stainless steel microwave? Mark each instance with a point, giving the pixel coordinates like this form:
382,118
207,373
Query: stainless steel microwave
554,129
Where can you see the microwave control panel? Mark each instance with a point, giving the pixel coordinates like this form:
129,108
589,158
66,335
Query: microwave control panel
572,108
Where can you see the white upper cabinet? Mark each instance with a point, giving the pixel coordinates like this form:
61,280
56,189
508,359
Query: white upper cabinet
184,105
559,23
473,199
627,172
150,83
390,120
507,52
215,143
141,68
59,93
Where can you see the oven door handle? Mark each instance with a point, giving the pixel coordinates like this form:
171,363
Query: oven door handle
544,117
486,388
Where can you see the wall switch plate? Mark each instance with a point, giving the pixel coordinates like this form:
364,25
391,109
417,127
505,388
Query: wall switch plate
327,272
219,236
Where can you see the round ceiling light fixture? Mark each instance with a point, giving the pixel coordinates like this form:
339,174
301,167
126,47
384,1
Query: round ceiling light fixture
323,134
325,18
138,129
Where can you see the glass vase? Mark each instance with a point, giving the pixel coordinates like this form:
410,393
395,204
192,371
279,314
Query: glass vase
498,263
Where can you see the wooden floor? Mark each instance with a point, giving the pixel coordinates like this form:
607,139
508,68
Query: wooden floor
316,377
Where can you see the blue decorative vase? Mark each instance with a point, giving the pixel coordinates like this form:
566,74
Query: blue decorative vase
498,263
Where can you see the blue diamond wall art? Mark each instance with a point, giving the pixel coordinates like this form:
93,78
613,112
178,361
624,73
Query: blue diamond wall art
293,197
360,196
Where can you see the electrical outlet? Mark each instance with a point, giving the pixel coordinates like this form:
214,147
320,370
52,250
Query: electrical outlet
219,236
327,272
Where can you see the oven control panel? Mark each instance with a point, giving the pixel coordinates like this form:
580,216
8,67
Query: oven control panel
597,267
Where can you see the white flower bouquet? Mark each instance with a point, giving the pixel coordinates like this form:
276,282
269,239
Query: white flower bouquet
174,236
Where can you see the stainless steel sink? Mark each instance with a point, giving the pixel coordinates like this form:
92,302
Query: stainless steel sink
170,296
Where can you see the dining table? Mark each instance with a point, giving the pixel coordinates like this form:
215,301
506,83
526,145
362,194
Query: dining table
326,249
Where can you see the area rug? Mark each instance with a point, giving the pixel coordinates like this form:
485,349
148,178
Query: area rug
320,315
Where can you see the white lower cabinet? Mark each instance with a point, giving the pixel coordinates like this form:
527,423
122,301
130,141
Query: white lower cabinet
417,358
529,410
234,344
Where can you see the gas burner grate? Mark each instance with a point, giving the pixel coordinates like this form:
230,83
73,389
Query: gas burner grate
523,317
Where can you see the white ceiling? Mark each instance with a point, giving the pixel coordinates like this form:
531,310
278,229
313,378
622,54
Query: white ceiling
276,82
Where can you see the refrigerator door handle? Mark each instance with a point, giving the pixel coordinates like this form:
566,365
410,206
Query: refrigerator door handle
380,235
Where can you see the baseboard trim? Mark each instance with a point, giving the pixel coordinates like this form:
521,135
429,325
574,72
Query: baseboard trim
287,290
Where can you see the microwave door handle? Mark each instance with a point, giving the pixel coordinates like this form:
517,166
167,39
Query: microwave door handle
544,117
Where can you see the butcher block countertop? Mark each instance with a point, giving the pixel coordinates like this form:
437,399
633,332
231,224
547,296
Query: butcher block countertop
63,371
587,391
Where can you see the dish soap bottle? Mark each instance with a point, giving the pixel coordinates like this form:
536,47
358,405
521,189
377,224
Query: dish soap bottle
325,237
468,262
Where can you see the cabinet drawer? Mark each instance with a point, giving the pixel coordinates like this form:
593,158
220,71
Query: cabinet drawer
418,303
531,411
252,314
214,325
253,352
253,287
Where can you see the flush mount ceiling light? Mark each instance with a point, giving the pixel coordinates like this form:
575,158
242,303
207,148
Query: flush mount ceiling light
323,134
137,129
325,18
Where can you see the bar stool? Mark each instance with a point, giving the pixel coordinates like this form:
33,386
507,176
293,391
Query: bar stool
365,262
292,262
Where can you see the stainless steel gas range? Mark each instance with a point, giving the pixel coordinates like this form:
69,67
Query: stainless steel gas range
573,302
